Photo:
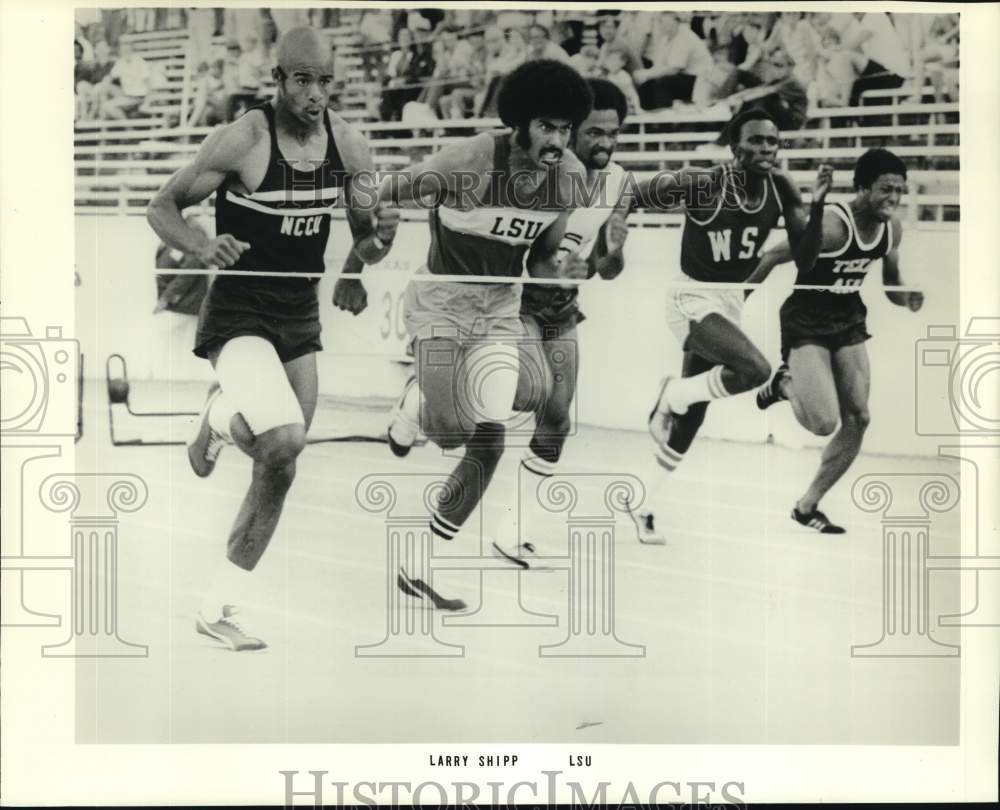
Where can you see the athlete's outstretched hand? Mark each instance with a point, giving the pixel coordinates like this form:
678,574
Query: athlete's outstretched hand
615,233
573,267
350,294
223,251
824,180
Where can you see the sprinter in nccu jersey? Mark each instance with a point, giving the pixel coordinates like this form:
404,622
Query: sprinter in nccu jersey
729,211
277,174
494,196
825,375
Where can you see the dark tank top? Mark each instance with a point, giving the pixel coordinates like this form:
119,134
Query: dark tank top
286,221
722,243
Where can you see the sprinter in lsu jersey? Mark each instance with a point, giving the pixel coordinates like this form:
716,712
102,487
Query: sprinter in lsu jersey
277,173
825,373
729,212
494,196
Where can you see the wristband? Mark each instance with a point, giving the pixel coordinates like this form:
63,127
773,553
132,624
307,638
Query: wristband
379,244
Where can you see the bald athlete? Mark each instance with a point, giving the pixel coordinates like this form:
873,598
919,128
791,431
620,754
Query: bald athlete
278,172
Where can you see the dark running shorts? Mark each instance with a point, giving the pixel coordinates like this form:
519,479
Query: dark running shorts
823,321
283,312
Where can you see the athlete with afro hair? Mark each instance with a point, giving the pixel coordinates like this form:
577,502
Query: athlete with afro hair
494,197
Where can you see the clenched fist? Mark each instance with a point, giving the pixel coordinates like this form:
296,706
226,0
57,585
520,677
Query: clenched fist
223,251
349,294
824,181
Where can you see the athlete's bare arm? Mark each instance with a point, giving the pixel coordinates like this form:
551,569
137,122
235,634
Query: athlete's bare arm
373,224
668,191
228,151
834,236
804,237
549,257
913,299
608,256
456,172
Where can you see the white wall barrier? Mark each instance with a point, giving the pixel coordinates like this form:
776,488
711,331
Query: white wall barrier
625,346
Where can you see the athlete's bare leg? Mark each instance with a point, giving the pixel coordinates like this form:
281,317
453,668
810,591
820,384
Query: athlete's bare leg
811,390
722,342
852,376
274,453
450,423
553,396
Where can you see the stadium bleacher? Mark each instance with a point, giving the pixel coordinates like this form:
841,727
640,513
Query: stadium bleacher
120,164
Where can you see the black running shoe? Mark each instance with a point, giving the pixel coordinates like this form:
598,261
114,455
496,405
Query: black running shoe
816,520
769,394
419,589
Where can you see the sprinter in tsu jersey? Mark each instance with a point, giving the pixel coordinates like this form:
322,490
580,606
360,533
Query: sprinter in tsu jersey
729,211
277,174
825,375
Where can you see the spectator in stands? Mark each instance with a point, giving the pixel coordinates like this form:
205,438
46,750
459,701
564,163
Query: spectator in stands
836,70
730,34
541,46
586,61
712,86
887,65
210,103
753,35
794,33
453,67
608,38
786,102
935,53
513,54
86,103
241,76
615,61
679,57
399,77
463,102
635,29
128,84
569,25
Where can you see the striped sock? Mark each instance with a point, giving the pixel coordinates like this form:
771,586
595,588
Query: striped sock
443,527
667,458
682,392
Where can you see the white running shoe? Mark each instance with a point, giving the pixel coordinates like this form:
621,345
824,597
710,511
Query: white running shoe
206,443
228,630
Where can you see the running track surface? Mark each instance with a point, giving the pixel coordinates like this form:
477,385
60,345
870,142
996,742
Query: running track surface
747,619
